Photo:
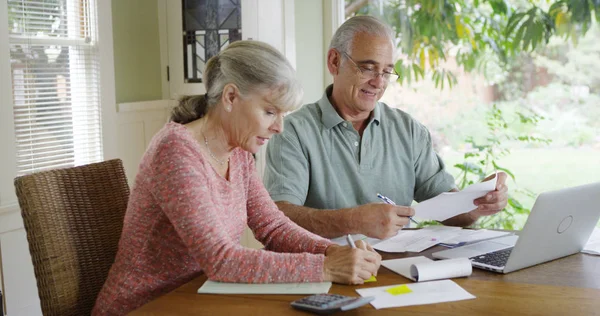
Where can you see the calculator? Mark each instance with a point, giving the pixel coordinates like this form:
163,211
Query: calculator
330,303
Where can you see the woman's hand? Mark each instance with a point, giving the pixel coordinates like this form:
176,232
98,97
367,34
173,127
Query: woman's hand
347,265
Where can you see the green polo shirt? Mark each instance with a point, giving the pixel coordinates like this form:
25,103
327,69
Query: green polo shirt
320,160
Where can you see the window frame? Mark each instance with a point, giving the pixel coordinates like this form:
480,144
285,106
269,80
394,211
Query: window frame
107,104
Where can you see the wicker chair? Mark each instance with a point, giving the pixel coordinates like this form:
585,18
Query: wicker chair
73,218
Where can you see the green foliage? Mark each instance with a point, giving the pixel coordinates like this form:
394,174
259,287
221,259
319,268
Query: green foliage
475,32
483,159
567,77
573,114
513,43
574,65
428,223
529,28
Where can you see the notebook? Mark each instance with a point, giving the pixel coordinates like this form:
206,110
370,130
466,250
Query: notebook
421,269
212,287
559,225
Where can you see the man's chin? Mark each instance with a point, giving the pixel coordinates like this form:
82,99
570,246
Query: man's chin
368,106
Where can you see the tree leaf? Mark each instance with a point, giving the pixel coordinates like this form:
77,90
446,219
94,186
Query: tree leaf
513,22
460,29
508,172
499,6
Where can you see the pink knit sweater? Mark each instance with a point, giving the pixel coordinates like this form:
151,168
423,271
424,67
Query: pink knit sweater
184,219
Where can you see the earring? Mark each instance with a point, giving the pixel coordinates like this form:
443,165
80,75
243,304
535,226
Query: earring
228,108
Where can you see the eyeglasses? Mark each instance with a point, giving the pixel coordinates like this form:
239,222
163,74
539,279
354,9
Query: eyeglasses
367,73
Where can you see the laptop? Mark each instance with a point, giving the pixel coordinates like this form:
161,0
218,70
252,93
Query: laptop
559,225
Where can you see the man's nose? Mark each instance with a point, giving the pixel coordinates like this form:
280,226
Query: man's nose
378,81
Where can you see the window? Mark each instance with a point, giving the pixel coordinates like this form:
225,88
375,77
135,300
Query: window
56,83
208,26
506,113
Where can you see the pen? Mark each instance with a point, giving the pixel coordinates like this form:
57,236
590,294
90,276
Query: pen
387,200
350,241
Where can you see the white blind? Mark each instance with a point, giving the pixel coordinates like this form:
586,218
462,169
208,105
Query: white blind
55,78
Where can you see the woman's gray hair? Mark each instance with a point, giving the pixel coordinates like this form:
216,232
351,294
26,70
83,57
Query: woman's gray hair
342,39
251,66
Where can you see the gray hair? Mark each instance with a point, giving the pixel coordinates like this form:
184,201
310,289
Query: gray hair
250,66
342,39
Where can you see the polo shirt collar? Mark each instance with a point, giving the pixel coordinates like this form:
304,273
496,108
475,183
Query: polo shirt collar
331,118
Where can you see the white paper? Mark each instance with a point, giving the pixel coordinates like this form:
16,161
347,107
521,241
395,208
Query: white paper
213,287
402,266
593,245
342,241
417,240
449,204
422,269
422,293
441,269
467,236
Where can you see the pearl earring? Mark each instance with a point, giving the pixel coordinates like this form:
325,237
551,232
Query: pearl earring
228,108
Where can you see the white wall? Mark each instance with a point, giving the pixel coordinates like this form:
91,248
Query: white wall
137,122
310,57
21,289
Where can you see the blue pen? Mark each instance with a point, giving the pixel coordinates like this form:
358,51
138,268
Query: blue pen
387,200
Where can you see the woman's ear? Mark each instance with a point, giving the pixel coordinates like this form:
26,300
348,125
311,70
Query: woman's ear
229,96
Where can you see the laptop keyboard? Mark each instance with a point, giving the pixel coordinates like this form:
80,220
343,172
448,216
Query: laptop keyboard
496,258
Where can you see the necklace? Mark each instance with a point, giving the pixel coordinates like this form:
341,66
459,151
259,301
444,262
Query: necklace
213,156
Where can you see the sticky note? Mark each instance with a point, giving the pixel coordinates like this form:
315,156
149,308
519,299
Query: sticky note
371,279
398,290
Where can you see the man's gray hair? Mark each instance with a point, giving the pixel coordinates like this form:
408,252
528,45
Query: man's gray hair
342,39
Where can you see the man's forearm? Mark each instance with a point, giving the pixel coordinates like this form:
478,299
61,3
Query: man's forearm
325,223
461,220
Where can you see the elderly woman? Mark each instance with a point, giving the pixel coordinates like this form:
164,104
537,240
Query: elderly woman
197,188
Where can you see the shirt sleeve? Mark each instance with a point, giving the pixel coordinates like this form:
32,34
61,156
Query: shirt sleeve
271,227
179,185
287,171
432,178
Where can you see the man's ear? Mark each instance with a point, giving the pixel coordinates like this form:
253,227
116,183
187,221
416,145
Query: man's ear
229,96
334,60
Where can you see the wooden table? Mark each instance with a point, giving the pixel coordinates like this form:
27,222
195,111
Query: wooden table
568,286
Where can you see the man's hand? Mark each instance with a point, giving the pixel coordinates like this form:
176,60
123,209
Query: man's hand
494,201
380,220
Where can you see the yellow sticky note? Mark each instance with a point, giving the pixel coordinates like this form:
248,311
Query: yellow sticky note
371,279
398,290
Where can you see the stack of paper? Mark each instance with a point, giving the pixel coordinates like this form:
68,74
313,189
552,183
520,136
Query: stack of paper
415,294
418,240
421,239
467,236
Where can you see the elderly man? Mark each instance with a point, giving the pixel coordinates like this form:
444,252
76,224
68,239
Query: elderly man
325,170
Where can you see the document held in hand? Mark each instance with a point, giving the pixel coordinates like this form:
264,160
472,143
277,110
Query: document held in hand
449,204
